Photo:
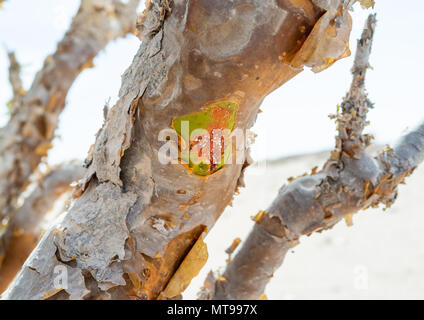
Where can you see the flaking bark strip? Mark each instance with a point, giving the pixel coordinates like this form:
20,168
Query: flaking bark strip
28,135
350,181
26,225
208,52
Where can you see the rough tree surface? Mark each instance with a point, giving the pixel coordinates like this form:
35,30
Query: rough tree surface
350,181
27,224
28,135
135,223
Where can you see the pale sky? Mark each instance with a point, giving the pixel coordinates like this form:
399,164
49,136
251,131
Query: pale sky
295,117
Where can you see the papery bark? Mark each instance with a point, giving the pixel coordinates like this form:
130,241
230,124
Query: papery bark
28,135
350,181
135,219
15,81
29,222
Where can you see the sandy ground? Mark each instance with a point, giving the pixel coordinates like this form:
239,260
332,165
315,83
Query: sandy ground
380,257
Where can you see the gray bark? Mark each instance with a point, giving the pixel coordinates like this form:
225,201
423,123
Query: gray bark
27,223
27,137
350,181
134,219
16,81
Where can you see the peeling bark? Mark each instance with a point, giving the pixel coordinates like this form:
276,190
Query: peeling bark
15,81
26,224
27,137
50,187
134,219
350,181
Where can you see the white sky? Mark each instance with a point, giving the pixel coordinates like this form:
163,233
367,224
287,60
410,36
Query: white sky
295,118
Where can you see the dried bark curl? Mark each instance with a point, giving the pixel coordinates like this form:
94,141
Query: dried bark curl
28,135
144,215
27,223
350,181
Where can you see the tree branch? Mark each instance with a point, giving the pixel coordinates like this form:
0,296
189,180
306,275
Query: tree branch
15,81
351,181
27,137
147,216
49,188
26,225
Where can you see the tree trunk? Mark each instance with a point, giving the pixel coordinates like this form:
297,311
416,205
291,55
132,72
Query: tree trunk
135,223
28,135
26,225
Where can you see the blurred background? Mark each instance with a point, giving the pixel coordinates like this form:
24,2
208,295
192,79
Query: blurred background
382,255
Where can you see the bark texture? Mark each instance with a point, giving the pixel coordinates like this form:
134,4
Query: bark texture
350,181
134,219
15,81
28,135
26,224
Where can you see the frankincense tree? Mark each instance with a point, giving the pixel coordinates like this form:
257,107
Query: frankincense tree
135,227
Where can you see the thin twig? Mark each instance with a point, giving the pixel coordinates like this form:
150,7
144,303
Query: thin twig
15,81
